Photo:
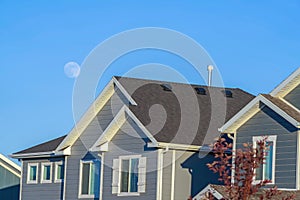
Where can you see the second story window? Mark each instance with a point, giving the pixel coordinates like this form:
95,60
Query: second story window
32,173
129,175
46,172
267,170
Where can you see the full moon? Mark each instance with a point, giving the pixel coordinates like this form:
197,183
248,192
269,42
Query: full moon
72,69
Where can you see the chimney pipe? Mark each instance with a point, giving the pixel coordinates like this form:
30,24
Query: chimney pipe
210,69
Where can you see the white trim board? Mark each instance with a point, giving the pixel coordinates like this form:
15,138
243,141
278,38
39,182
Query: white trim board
251,109
287,85
10,165
92,111
102,143
211,190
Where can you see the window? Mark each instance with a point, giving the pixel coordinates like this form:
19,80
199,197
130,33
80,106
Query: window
129,175
267,170
32,172
89,179
46,173
59,172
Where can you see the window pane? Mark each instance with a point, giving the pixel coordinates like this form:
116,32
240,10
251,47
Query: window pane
85,178
259,171
60,172
32,174
92,179
269,160
46,170
124,175
134,175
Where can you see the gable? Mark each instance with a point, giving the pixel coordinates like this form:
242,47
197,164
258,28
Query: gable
287,85
267,121
93,110
123,116
293,97
276,104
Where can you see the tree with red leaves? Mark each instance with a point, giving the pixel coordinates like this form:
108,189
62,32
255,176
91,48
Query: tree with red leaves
243,166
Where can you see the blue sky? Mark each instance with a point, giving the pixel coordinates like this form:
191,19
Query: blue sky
255,45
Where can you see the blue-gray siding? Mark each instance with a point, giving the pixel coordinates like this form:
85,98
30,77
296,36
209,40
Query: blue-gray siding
45,191
267,122
79,150
130,140
9,184
294,97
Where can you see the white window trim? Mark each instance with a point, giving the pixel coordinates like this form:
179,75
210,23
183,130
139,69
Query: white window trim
55,172
271,138
120,171
28,173
80,180
42,172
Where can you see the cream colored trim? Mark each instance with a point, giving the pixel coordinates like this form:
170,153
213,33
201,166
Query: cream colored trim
241,117
211,190
10,165
298,162
92,111
280,112
185,147
251,109
110,131
173,175
287,85
122,89
233,157
101,176
65,177
159,175
21,181
34,155
115,125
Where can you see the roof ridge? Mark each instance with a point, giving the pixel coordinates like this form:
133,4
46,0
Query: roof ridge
179,83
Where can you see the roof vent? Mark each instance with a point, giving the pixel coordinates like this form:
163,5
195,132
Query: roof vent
166,87
228,93
200,90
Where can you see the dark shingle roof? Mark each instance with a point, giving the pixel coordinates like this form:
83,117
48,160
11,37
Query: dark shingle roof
173,117
181,106
44,147
283,106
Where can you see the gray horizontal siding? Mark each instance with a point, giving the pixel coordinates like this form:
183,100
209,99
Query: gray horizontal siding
167,175
46,191
130,140
90,135
294,96
8,178
267,122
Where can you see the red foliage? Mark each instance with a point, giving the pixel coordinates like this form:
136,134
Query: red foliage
244,165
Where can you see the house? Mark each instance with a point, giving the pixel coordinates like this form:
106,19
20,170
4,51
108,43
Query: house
10,174
275,116
140,139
